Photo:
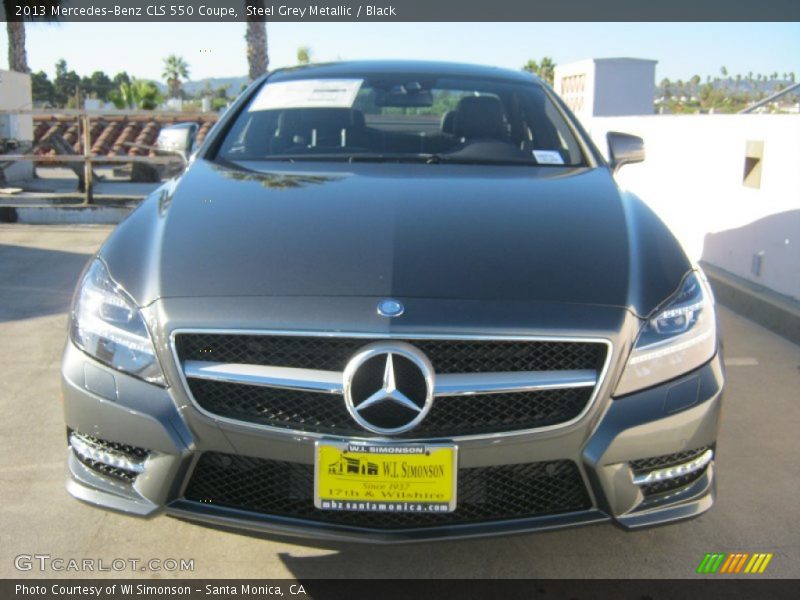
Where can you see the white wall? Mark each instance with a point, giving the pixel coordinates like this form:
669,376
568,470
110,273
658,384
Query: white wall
574,82
693,179
594,87
15,94
635,76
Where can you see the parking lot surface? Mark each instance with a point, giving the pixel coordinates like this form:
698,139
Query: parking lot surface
757,467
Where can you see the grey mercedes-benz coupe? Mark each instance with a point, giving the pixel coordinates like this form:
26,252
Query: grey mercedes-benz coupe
395,301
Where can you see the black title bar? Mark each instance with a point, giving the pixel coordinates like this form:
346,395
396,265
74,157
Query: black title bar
400,10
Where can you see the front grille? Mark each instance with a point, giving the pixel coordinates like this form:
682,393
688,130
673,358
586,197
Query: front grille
450,416
668,460
447,356
459,415
484,493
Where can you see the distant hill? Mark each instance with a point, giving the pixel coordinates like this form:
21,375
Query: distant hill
232,85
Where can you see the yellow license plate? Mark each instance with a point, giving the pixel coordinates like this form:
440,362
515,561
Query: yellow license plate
385,477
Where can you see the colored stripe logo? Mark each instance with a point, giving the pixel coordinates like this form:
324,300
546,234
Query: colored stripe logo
734,563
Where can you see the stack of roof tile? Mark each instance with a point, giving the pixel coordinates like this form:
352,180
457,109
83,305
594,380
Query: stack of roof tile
110,135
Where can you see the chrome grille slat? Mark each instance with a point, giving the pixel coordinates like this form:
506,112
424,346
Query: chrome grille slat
465,384
453,384
310,380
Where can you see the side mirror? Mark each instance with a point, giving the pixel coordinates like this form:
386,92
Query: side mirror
177,139
624,149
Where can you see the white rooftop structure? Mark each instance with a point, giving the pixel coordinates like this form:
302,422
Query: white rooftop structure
15,94
607,87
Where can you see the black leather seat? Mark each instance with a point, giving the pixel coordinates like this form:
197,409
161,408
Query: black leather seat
448,122
318,127
480,118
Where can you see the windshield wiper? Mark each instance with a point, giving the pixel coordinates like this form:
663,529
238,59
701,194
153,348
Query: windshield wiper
349,158
432,159
389,158
427,158
473,160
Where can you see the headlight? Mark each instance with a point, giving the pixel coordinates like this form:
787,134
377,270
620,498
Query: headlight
107,325
680,337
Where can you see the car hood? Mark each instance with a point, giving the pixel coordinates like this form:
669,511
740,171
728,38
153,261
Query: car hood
530,234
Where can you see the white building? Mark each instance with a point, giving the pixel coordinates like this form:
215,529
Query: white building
15,94
607,87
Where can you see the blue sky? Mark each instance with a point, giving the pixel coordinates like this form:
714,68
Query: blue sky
217,50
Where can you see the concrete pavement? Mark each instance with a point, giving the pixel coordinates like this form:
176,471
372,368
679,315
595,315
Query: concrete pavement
758,467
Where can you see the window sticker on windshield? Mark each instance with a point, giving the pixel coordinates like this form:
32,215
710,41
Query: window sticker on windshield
548,157
307,93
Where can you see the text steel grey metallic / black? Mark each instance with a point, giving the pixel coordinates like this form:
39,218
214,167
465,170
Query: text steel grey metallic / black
395,301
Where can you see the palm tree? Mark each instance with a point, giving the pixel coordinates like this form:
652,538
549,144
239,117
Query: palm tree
545,69
139,93
665,85
303,55
531,66
17,56
256,38
175,70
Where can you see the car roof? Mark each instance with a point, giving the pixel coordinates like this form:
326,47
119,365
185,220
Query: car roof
386,67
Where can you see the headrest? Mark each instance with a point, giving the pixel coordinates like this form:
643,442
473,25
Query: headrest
300,121
448,122
479,117
359,122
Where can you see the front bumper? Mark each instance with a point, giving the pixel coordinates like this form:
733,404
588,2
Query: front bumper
671,418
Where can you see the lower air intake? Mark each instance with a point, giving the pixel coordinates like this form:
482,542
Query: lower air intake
484,493
122,462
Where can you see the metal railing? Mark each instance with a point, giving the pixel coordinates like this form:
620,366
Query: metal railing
770,98
84,122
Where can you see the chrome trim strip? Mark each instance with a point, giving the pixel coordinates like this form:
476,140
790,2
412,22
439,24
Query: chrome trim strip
448,384
674,471
391,336
307,380
90,450
467,384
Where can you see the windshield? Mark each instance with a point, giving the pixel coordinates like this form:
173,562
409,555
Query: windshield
402,117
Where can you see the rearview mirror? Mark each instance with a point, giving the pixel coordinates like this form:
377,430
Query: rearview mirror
407,95
624,149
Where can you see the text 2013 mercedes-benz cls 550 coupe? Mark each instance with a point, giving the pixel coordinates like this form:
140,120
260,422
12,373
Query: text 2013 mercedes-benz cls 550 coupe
395,301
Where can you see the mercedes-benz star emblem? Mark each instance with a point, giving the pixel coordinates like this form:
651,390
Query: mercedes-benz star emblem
390,308
388,387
